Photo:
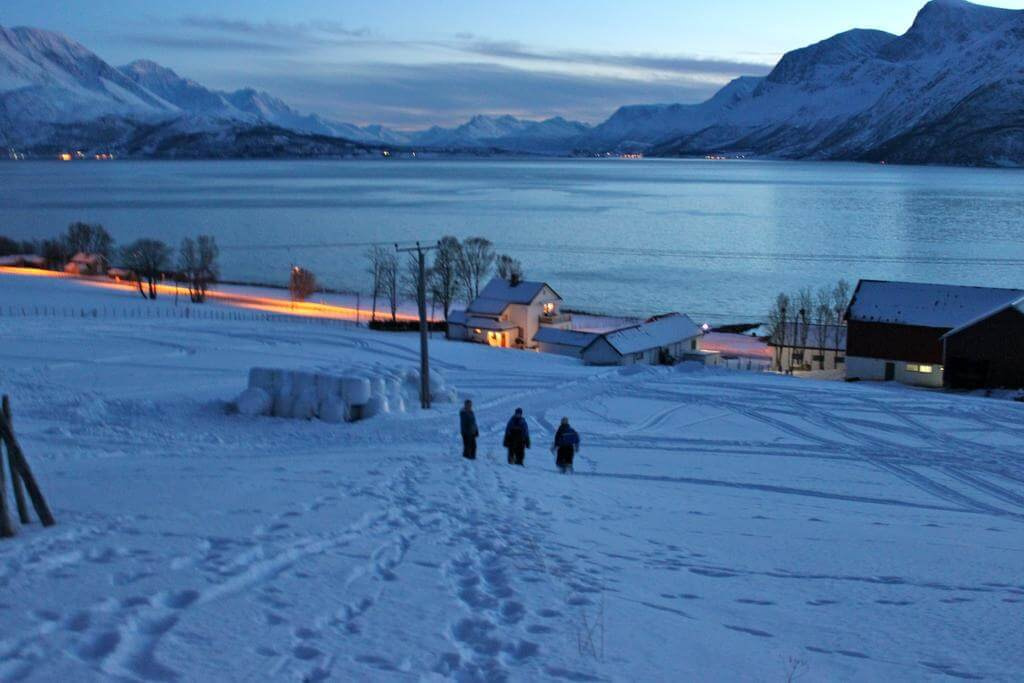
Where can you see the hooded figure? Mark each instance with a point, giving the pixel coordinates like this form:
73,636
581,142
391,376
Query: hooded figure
567,444
517,438
467,425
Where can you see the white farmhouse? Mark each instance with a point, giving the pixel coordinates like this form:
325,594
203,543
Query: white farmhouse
509,315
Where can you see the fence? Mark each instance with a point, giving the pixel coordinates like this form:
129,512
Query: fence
144,311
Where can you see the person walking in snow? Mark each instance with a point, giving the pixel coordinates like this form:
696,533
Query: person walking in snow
517,438
567,444
467,425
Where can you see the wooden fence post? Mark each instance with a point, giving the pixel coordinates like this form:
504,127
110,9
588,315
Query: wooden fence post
19,492
21,465
6,527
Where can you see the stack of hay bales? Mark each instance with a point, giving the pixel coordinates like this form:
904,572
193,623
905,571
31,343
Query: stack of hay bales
336,398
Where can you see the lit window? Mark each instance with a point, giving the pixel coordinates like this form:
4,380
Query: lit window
925,368
549,308
913,367
478,330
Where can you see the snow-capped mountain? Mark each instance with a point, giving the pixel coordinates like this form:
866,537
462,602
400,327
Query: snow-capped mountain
503,133
950,90
46,78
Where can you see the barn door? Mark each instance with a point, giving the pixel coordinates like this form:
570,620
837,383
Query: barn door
890,372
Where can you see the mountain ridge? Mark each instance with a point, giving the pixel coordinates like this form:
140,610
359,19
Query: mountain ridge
948,90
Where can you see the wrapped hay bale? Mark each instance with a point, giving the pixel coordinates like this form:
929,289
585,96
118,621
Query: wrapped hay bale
436,383
305,405
283,404
355,390
378,387
328,387
254,401
282,382
332,410
377,405
303,382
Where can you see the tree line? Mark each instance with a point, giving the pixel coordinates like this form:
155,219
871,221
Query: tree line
147,261
792,317
458,271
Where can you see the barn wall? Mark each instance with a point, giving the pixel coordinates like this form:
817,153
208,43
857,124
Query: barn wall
993,349
894,342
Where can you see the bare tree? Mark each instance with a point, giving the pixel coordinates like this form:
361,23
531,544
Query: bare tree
510,269
56,253
147,259
197,261
778,322
444,273
409,277
475,263
805,310
840,300
823,321
375,257
89,238
301,284
390,282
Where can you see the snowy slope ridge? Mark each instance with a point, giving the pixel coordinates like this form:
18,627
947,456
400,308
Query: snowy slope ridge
950,90
720,526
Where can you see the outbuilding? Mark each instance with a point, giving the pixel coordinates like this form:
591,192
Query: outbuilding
563,342
662,339
987,351
895,330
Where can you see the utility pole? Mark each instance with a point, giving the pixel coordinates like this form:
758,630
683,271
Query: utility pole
421,303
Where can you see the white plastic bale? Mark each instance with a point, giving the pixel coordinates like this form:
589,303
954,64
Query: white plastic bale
393,387
283,404
305,405
355,390
436,383
332,410
328,387
396,404
353,413
303,382
262,378
378,387
254,401
282,382
377,405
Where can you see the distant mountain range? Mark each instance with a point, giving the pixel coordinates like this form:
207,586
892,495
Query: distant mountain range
950,90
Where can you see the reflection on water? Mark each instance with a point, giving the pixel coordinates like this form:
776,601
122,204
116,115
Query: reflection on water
717,240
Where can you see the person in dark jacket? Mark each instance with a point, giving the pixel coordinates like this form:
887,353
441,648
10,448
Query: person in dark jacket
467,425
567,444
517,438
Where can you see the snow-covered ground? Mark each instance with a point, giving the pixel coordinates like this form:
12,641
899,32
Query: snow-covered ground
720,525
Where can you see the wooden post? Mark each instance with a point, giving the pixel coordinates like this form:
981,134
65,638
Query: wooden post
21,466
6,527
19,492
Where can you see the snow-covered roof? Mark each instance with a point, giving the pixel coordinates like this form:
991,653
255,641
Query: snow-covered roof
653,334
925,305
522,293
22,259
457,317
553,335
488,306
1016,303
794,334
490,324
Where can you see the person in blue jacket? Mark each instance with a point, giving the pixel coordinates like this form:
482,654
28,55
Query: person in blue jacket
517,438
467,425
567,444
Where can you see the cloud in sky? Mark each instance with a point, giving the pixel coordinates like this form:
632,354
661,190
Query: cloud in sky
354,74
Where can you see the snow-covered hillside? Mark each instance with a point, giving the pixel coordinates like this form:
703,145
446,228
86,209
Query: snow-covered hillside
720,526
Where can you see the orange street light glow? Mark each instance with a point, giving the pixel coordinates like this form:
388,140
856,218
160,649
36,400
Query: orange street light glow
248,302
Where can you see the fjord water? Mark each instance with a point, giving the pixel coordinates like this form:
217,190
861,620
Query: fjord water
715,239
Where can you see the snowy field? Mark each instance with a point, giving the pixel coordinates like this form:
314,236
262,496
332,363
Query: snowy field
721,525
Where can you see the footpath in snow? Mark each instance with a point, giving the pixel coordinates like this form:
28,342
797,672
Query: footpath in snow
720,525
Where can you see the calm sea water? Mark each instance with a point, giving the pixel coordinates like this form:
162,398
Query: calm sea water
715,239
